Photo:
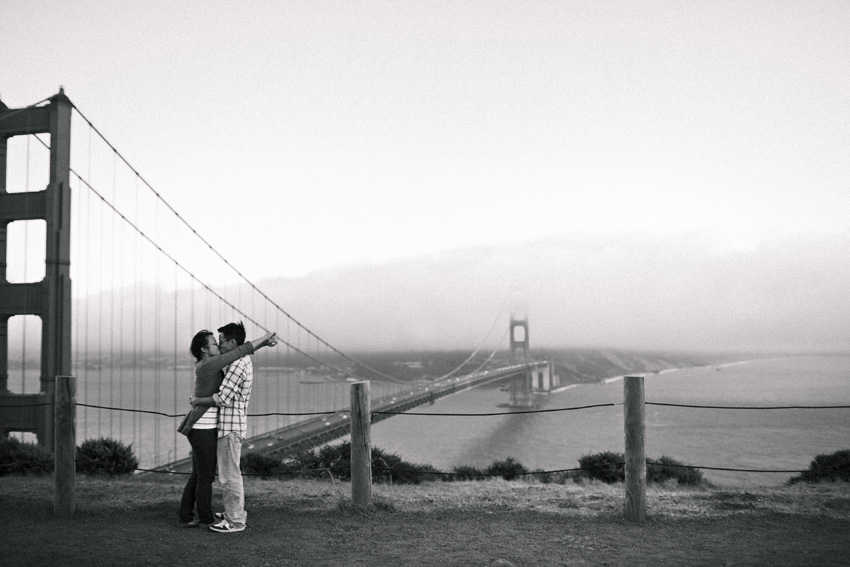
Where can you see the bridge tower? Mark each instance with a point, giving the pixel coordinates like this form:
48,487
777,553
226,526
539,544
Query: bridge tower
520,383
50,299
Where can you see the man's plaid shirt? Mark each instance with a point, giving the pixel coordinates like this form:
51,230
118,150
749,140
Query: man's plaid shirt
233,396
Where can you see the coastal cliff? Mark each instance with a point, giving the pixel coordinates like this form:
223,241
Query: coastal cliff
582,366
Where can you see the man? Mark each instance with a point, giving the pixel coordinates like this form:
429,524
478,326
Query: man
232,401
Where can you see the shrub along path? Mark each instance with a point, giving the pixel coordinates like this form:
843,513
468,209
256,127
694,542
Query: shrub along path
132,521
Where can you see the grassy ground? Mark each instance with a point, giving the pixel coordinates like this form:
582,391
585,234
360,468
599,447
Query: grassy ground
311,523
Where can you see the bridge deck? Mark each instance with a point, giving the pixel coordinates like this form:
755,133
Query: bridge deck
322,429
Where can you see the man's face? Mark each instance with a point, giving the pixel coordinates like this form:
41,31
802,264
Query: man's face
225,344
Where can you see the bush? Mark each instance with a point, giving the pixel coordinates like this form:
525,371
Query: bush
610,467
667,468
606,466
465,472
260,465
106,456
24,458
508,469
827,468
336,459
392,468
557,477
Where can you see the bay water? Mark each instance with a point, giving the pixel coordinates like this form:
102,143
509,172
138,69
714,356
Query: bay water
764,439
780,439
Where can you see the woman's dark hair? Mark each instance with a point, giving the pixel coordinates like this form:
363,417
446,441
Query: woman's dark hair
199,341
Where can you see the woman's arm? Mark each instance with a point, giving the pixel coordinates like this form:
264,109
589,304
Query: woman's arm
250,347
218,362
215,364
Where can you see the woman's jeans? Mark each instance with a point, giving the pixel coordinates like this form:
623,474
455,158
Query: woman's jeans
198,490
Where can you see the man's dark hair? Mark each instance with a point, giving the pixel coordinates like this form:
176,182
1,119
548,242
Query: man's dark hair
199,341
234,331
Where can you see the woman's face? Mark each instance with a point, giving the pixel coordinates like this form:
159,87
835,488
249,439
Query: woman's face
211,346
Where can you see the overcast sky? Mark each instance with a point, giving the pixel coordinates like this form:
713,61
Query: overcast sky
364,131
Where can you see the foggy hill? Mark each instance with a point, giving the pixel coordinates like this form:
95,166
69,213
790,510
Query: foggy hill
639,292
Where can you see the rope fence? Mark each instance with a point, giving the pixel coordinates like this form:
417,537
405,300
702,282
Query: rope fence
453,414
487,414
438,473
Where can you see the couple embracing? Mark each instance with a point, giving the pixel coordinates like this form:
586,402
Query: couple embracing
217,425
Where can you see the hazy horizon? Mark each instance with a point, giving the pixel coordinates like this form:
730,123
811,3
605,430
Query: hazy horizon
644,292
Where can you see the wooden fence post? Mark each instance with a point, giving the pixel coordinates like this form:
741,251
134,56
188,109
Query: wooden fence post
64,446
361,445
635,509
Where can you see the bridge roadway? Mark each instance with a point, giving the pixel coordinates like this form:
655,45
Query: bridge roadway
316,431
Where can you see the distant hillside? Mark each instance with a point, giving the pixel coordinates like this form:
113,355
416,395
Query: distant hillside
639,292
574,366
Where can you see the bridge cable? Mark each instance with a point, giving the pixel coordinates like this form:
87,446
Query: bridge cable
223,259
190,274
239,273
487,336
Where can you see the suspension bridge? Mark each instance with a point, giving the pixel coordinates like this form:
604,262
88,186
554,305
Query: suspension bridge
109,282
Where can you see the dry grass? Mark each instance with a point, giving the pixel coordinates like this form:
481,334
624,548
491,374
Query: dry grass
311,523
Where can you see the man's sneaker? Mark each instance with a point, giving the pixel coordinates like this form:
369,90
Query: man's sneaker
191,524
225,527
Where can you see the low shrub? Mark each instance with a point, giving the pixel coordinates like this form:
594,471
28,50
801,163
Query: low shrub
557,477
262,466
608,467
21,458
336,460
465,472
392,468
666,468
508,468
827,468
106,456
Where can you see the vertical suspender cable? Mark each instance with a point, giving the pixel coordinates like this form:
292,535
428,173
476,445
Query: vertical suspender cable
136,318
156,330
288,371
112,309
76,222
86,365
174,342
122,254
101,245
191,293
222,314
277,369
210,278
266,384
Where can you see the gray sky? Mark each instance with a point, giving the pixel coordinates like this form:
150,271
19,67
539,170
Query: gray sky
364,131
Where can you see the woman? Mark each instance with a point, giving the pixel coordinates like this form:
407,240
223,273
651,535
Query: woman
199,425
